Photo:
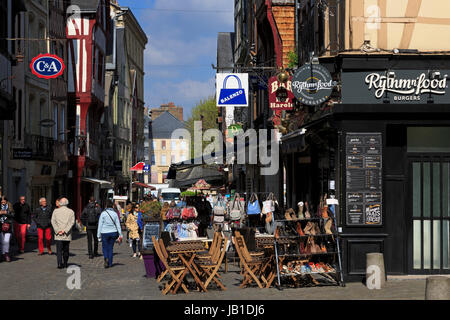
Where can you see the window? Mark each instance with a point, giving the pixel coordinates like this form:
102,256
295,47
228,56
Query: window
19,117
93,63
428,139
163,160
163,145
154,145
173,159
183,145
55,118
153,160
100,68
62,124
174,145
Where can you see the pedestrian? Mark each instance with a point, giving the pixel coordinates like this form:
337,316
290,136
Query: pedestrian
108,232
6,221
43,220
89,217
62,221
134,226
22,222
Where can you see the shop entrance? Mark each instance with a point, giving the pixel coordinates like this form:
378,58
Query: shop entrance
429,214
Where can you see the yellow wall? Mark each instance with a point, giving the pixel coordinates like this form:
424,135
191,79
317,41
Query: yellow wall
177,151
402,24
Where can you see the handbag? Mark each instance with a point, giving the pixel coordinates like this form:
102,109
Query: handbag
5,227
189,213
219,212
176,213
253,207
268,205
236,211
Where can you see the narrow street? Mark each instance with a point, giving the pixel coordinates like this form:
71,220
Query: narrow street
36,277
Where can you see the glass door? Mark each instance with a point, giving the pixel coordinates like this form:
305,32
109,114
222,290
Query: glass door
429,225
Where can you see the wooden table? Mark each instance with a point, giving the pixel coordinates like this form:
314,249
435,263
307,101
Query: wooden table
187,251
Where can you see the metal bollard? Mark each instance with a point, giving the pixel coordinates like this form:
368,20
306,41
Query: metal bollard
375,273
437,288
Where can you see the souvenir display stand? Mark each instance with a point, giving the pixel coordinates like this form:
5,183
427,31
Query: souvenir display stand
307,251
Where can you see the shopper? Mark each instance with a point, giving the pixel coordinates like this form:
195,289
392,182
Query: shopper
6,221
108,232
22,222
62,221
89,218
135,229
43,220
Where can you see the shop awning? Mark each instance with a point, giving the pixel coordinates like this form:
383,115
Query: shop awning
187,177
143,185
103,183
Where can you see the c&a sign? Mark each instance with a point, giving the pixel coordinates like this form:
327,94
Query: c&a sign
280,94
47,66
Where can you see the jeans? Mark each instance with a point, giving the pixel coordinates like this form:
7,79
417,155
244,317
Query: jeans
136,243
108,240
4,238
48,237
92,234
20,231
62,252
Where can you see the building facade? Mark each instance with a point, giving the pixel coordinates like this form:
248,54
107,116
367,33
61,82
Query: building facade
378,144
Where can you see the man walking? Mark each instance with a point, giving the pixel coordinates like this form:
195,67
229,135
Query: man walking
89,218
22,222
62,220
42,218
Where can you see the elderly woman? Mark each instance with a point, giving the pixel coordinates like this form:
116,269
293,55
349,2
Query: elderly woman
63,219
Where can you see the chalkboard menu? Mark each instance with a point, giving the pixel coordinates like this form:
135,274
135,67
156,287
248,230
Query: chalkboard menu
364,178
150,229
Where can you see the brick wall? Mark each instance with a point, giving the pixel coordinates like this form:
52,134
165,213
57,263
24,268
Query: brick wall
284,15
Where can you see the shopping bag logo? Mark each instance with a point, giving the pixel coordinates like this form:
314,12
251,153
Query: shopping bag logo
232,96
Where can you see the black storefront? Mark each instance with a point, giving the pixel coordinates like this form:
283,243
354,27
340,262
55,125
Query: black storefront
384,152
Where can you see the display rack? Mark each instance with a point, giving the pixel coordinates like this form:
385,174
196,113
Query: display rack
290,254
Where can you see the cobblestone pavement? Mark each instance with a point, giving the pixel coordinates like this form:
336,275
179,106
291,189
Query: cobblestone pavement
30,276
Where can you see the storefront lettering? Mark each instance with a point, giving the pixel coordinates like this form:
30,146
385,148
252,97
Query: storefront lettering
416,87
312,86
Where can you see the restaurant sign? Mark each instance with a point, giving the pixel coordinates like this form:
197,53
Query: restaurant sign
312,84
280,94
398,86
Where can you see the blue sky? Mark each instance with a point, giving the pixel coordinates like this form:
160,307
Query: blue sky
182,46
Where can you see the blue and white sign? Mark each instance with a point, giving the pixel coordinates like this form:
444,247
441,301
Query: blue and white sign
232,89
146,168
47,66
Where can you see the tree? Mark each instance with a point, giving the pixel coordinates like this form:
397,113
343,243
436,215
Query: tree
206,112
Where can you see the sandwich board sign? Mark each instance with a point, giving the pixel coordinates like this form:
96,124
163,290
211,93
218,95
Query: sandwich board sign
232,89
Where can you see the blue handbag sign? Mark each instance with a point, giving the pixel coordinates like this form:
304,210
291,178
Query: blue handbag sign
232,89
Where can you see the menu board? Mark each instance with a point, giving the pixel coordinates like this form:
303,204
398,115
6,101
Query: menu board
364,178
150,229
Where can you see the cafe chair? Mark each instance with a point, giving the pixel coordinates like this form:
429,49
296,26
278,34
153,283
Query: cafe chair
210,267
175,270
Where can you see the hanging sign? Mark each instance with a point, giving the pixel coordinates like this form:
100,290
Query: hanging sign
312,84
47,66
280,94
232,89
396,87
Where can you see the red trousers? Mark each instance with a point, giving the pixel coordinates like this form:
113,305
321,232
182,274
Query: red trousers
20,231
48,238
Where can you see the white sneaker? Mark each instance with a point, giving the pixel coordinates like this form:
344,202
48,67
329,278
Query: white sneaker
134,255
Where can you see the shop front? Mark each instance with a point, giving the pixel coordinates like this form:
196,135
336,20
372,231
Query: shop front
384,153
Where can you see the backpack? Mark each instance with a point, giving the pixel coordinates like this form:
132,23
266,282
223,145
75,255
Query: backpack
93,215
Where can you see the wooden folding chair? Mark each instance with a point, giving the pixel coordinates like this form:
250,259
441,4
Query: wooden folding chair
171,269
251,265
171,259
215,244
211,267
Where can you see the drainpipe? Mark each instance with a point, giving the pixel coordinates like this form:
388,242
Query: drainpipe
276,36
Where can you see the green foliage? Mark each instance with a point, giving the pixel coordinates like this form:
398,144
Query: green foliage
151,210
292,59
208,109
188,193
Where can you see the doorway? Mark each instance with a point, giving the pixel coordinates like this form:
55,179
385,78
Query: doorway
429,214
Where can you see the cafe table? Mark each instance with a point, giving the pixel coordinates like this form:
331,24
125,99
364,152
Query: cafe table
187,250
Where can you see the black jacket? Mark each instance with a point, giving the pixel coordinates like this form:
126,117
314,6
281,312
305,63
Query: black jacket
22,213
91,208
43,217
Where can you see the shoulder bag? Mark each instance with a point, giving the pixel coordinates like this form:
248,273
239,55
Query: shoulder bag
253,206
236,210
219,212
119,239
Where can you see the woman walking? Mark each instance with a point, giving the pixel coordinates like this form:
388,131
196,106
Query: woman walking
108,232
134,225
6,221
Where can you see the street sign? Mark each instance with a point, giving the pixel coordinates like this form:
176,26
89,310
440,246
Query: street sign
47,66
146,168
22,153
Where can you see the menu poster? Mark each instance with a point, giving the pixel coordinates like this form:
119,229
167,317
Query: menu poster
364,178
150,229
